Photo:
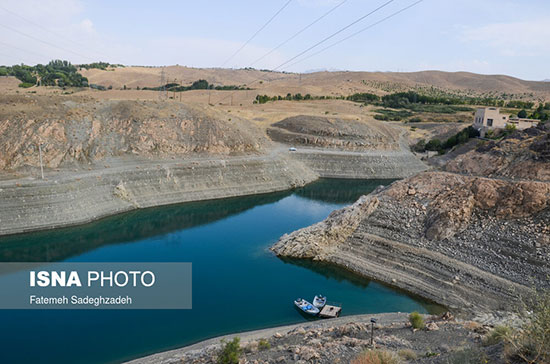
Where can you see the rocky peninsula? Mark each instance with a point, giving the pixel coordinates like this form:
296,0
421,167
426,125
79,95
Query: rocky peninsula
473,236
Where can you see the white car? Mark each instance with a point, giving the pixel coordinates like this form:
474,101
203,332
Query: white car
291,149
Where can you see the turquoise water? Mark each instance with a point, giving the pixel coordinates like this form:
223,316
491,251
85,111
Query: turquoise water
227,241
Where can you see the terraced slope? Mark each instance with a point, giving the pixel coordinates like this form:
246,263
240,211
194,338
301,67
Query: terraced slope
468,242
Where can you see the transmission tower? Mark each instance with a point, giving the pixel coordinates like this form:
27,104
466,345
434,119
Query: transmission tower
163,95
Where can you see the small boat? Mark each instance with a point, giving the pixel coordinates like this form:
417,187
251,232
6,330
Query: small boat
319,301
306,307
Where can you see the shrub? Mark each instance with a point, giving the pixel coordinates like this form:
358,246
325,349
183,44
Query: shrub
263,344
532,343
230,352
433,145
522,114
363,97
26,84
375,357
510,127
467,356
415,120
497,335
417,321
420,146
407,354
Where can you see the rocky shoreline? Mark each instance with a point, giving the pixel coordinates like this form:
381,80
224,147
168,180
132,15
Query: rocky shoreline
468,242
340,340
75,197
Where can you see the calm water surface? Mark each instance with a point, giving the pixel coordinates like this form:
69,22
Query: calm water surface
227,241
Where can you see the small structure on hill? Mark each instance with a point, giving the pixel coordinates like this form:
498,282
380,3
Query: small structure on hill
489,118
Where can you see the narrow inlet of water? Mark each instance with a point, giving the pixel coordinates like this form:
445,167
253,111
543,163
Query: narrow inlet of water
227,241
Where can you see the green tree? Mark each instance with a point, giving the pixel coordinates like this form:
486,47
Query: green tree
522,114
230,352
434,145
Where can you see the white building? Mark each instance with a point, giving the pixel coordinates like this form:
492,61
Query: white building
490,118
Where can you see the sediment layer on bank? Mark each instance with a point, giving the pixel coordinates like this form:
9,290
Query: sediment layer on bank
474,239
372,165
468,243
69,199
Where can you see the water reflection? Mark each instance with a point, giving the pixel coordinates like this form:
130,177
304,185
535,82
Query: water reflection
60,244
332,271
329,271
340,190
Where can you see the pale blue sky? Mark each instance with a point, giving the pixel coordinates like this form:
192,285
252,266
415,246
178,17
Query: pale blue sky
483,36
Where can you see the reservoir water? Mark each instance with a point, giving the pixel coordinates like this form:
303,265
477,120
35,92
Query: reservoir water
227,241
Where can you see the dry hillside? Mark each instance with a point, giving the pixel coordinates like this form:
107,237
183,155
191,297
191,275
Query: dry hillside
88,131
325,83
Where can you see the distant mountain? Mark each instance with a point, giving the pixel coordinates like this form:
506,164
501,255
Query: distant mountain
324,70
321,81
547,80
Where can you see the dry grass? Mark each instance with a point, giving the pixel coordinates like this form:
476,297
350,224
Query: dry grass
497,335
472,325
407,354
376,357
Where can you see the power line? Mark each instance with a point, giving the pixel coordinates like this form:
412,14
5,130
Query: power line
9,56
358,32
299,32
257,32
24,50
45,29
322,41
43,41
335,33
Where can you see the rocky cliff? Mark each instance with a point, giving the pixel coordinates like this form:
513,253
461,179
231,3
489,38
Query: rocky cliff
83,132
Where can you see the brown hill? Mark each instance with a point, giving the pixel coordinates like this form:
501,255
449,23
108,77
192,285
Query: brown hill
325,83
327,132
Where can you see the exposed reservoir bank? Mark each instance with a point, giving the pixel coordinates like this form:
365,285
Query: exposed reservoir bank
227,241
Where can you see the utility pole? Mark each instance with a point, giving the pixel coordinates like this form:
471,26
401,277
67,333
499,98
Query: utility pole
209,94
181,87
40,154
231,99
162,88
372,322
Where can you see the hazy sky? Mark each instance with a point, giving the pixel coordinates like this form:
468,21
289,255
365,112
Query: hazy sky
483,36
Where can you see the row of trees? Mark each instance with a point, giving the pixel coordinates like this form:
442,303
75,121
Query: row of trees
99,65
405,99
441,147
56,73
409,100
542,112
262,99
197,85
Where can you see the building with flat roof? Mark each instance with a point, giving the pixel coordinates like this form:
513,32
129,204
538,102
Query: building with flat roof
489,118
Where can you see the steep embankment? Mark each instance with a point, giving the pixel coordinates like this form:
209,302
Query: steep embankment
464,241
337,148
63,200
